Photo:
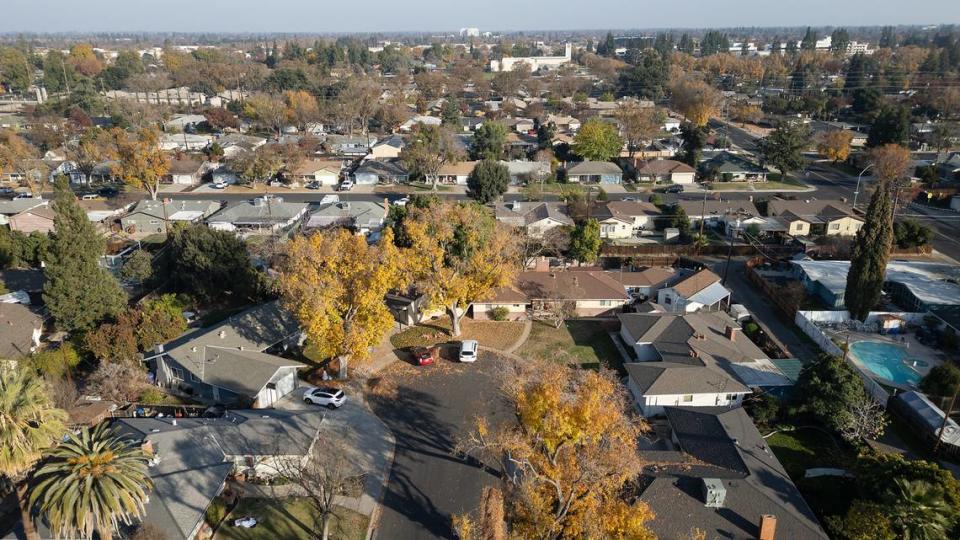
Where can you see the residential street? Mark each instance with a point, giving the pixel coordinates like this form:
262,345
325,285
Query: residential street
428,408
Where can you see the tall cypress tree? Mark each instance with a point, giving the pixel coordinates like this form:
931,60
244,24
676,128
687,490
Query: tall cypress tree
79,293
869,255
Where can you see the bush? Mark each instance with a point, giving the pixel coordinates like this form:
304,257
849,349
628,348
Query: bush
151,396
499,313
751,329
764,408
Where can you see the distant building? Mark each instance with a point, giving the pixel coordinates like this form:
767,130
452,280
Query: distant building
536,63
470,32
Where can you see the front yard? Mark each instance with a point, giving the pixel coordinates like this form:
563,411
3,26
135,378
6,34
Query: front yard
583,343
291,518
498,335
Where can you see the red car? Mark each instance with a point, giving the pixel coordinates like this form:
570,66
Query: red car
422,356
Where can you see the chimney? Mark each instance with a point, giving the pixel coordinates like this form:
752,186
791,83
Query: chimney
542,264
147,447
731,332
768,527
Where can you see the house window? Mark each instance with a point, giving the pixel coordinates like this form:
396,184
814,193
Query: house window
177,373
154,221
834,226
606,303
687,398
667,300
194,378
731,397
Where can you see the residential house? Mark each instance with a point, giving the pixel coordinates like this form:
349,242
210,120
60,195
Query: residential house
344,145
594,172
155,217
388,148
191,458
234,144
372,172
361,216
700,290
20,330
104,210
524,172
232,361
10,208
184,142
324,171
420,119
262,215
624,219
711,469
949,169
184,122
730,167
564,123
692,360
646,283
453,173
534,294
520,145
815,217
666,170
36,219
185,170
535,218
717,212
658,149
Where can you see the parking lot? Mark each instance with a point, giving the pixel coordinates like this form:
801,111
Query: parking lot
428,408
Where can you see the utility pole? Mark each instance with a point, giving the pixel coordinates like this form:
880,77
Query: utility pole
703,215
726,268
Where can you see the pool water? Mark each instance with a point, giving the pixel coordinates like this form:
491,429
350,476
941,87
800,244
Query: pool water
886,361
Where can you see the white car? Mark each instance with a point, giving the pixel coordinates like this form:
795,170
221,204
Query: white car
468,350
220,185
330,199
346,185
401,201
331,398
24,196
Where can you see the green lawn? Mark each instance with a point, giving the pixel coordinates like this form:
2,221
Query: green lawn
498,335
291,518
806,448
585,343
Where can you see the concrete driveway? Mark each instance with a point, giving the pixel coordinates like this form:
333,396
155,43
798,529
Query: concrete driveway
428,408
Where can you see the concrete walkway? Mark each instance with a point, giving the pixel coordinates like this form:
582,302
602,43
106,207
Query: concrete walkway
527,327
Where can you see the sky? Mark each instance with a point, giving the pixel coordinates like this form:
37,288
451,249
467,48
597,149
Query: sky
323,16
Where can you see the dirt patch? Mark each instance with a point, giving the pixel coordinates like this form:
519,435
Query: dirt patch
498,335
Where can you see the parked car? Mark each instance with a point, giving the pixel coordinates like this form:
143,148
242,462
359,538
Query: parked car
276,183
23,196
108,191
402,201
89,197
468,350
215,411
676,188
629,199
346,185
330,199
421,356
312,185
220,184
331,398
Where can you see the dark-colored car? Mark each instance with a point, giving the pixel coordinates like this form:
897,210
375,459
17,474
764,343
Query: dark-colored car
215,411
108,191
421,356
676,188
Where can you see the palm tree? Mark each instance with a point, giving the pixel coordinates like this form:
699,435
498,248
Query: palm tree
29,423
918,510
92,482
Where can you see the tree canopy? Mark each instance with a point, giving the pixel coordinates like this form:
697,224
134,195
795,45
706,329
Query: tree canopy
870,254
488,181
597,141
783,147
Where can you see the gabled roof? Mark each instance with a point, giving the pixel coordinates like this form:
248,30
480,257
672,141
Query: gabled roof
695,282
532,285
718,208
811,210
665,166
655,275
394,141
263,212
349,213
381,168
185,165
691,338
593,168
186,210
669,378
525,213
312,166
17,324
722,444
625,210
460,168
727,162
16,206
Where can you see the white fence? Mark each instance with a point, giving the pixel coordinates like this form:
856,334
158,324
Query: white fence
805,320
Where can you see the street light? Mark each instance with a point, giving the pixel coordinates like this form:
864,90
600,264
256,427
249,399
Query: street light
857,192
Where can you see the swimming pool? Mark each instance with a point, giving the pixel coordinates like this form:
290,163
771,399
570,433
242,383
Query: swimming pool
886,361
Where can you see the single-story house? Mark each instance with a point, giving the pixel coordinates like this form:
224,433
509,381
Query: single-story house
420,119
361,216
154,217
717,212
623,219
645,283
261,215
714,471
9,208
343,145
192,458
99,211
523,172
184,122
564,123
453,173
234,144
696,291
184,142
602,172
534,217
231,362
666,170
815,217
659,149
36,219
20,330
534,293
185,171
730,167
388,148
373,172
325,171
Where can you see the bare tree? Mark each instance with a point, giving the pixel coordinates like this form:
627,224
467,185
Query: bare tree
323,476
863,419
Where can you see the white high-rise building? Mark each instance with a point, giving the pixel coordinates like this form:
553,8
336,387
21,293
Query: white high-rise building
469,32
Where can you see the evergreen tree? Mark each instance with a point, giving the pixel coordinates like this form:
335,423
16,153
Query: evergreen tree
79,293
694,138
809,42
585,241
869,255
488,181
488,141
888,38
450,112
892,126
783,148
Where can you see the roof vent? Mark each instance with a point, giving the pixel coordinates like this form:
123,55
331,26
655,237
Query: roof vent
714,493
222,334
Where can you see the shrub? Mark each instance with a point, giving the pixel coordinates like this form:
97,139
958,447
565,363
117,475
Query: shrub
152,396
499,313
751,329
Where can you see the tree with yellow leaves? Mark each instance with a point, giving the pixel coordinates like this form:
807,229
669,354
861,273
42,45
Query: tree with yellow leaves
460,254
141,162
695,99
334,283
301,108
19,156
569,456
835,145
267,109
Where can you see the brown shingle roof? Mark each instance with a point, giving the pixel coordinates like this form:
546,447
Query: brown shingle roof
592,285
695,283
665,166
644,278
185,165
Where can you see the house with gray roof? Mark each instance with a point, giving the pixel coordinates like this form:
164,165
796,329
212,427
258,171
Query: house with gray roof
594,172
534,217
262,215
730,167
522,172
701,290
192,457
232,361
10,208
372,172
714,471
155,217
361,216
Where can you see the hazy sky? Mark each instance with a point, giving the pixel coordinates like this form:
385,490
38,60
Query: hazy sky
436,15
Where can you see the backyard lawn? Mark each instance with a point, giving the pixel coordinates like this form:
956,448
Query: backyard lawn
586,343
291,518
498,335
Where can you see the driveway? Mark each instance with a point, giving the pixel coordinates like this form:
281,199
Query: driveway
427,409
